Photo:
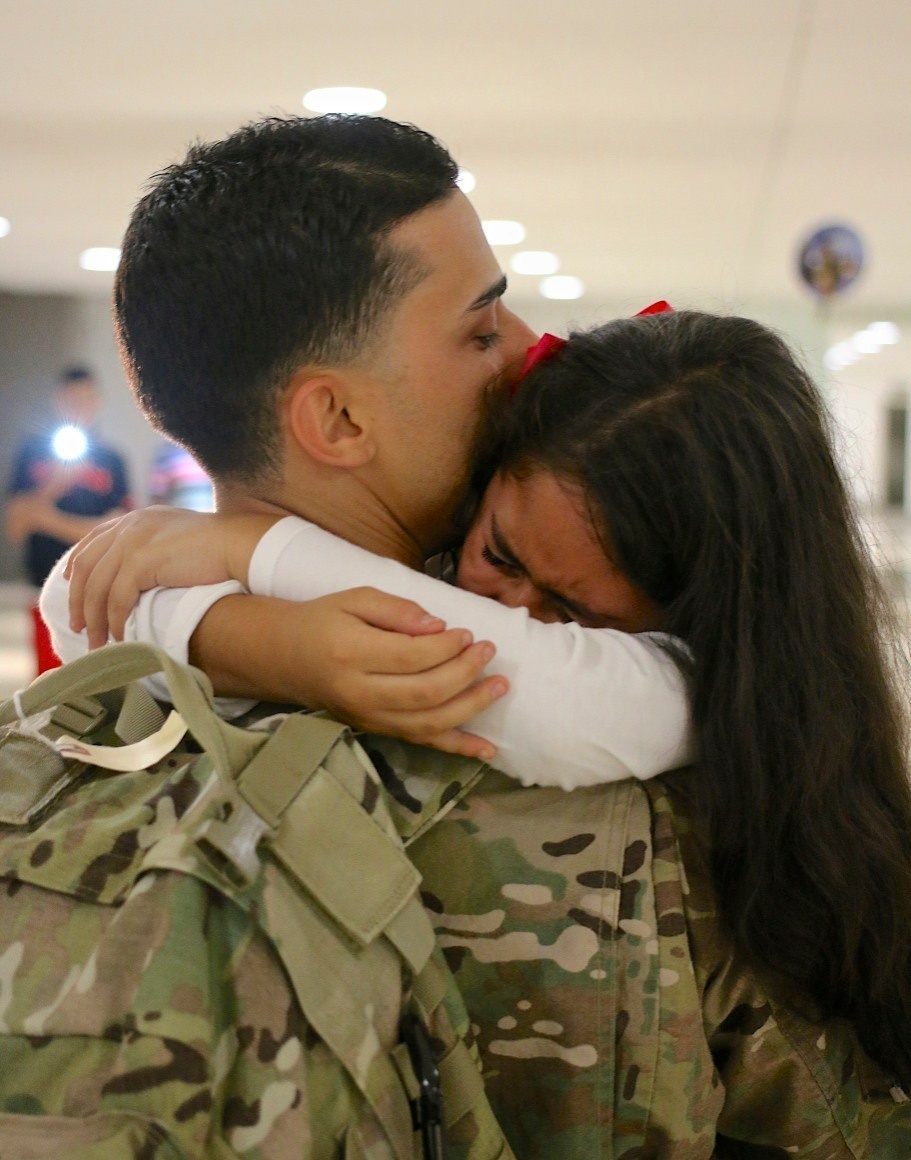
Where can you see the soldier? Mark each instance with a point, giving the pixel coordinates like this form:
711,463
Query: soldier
619,1007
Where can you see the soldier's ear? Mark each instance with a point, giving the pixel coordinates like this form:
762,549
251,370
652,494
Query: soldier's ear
319,418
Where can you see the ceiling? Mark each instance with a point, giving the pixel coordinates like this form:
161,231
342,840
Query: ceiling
670,148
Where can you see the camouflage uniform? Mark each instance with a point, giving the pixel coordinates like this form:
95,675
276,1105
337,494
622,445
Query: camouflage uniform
611,1017
146,1007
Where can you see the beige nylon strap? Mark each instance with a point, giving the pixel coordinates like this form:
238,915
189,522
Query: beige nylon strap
126,758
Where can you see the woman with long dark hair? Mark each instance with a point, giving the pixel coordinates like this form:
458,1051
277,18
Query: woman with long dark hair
703,454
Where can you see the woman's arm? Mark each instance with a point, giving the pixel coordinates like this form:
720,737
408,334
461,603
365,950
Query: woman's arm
166,617
584,705
589,706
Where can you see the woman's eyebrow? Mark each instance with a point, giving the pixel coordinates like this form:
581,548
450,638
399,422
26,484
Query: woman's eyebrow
508,556
503,549
491,294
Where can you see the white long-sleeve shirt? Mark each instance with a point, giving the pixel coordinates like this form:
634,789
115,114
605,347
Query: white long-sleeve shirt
584,705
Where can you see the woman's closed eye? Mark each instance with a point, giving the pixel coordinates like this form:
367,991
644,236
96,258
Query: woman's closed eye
498,562
487,341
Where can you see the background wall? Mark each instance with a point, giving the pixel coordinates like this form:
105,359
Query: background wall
40,334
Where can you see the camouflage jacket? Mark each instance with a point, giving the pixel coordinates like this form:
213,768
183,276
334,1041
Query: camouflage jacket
612,1019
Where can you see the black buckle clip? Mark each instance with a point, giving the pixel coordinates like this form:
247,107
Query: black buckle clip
427,1109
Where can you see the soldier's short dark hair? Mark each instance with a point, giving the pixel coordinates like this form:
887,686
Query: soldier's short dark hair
260,253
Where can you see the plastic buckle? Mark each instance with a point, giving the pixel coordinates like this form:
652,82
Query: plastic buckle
427,1109
232,846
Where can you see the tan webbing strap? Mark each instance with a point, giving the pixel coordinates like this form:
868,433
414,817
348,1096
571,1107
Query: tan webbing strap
460,1074
140,715
331,845
401,1057
462,1084
411,933
79,715
290,757
344,859
429,989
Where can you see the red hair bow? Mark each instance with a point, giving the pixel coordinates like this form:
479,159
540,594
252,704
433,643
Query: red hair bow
549,344
546,347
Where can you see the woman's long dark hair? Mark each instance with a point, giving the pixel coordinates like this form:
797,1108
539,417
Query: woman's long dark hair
704,452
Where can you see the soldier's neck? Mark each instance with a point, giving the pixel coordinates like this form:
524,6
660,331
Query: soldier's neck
358,517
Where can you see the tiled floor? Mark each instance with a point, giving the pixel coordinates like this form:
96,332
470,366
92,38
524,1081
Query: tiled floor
892,548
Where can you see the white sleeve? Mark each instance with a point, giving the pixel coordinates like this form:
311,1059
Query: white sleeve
584,706
166,617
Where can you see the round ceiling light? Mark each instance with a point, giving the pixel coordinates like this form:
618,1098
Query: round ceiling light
534,262
504,233
344,99
562,286
100,258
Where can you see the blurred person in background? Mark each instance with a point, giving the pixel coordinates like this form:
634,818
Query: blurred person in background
65,481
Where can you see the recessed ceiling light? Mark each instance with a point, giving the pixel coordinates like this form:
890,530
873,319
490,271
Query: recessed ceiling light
5,227
839,356
865,342
504,233
100,258
562,286
344,100
885,333
535,262
466,180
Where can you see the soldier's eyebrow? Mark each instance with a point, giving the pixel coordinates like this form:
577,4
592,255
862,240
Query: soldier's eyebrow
491,294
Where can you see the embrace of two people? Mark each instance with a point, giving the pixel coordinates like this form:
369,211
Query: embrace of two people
713,961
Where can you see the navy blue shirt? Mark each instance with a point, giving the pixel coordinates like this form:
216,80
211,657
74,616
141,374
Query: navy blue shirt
100,484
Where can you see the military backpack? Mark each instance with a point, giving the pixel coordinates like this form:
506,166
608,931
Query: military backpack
212,944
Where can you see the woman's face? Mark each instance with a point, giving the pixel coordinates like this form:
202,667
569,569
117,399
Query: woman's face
533,544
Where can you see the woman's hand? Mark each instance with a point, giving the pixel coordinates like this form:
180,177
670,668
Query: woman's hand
375,661
114,564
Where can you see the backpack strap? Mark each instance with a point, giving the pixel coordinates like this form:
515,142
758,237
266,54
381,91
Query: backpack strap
344,910
313,786
329,826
